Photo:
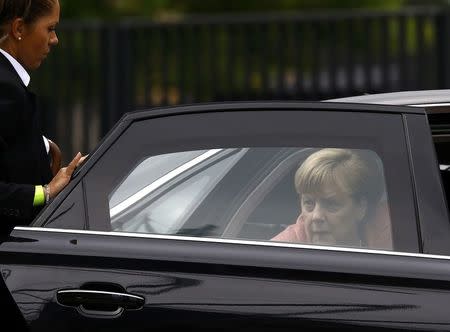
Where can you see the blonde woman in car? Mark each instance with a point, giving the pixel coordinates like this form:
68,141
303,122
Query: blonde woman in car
339,195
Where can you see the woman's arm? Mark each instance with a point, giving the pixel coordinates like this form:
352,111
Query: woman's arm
16,199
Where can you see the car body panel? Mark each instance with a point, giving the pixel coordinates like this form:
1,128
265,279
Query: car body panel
233,284
198,283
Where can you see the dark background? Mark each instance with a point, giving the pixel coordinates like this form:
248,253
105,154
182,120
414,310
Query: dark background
116,56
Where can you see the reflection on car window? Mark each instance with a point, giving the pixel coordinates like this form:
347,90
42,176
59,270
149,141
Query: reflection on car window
316,196
164,213
148,171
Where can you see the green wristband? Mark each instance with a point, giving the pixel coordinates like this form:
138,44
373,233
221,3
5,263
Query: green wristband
39,196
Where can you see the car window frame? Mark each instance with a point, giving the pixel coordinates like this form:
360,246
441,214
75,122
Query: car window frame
238,110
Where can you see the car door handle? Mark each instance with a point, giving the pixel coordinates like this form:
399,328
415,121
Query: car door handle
99,303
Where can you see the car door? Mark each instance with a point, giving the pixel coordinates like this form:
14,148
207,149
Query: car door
170,224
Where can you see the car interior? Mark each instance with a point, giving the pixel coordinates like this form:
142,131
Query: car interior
275,205
439,120
257,187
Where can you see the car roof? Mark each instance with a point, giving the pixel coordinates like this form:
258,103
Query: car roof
412,98
262,105
436,104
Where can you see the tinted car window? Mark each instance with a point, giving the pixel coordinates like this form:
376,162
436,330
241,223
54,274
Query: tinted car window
254,197
148,171
351,210
163,205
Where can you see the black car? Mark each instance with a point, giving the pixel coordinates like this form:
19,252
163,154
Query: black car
171,223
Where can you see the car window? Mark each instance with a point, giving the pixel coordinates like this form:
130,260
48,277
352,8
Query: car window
167,201
318,196
224,175
148,171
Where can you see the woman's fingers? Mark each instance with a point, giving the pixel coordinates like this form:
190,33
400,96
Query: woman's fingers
73,164
62,178
82,159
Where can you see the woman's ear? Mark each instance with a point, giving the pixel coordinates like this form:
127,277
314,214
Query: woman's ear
17,28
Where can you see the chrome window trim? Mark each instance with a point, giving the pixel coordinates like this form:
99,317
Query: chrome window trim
159,182
230,241
430,105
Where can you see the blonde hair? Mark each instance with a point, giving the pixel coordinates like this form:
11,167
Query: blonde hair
351,170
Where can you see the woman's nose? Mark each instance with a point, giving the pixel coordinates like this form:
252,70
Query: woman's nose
318,213
54,40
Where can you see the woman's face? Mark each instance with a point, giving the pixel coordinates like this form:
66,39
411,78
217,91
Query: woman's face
331,216
37,39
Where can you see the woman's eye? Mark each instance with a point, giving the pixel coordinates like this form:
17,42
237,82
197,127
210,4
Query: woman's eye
333,206
308,204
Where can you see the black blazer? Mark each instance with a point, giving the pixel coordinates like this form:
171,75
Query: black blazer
24,162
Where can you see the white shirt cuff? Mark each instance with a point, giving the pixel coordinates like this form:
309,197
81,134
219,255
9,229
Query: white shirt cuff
47,144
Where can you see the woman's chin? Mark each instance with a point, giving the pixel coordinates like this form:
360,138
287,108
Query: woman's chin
33,66
323,239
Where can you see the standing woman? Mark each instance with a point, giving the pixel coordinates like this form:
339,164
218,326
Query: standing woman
27,34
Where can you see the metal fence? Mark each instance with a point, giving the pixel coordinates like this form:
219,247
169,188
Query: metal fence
101,70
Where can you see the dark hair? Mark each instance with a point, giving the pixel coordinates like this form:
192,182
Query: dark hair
29,10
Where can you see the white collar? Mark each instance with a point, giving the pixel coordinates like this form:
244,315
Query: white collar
24,76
